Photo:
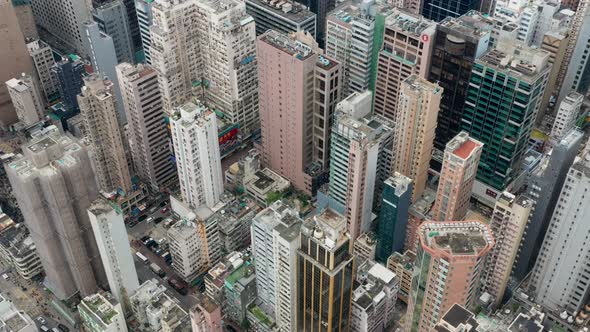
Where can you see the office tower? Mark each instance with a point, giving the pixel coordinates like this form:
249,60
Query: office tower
438,10
266,237
143,9
206,316
284,17
543,188
354,34
373,298
508,223
69,73
194,134
575,62
393,216
415,123
503,98
111,17
403,267
567,115
407,49
555,43
360,146
324,274
43,60
459,168
321,8
559,279
102,313
207,49
133,22
97,106
104,60
61,230
148,135
287,64
26,99
449,263
63,20
113,244
459,42
15,59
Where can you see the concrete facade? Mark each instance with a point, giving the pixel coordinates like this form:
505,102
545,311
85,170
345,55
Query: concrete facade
43,60
26,99
63,19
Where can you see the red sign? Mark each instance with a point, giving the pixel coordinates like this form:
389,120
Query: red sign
492,193
424,38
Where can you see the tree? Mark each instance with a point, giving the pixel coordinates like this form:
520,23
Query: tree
273,196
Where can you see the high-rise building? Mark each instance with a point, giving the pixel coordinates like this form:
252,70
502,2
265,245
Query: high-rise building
504,95
543,188
69,73
324,274
15,59
143,10
438,10
104,60
111,17
56,168
449,263
393,216
567,114
559,279
360,147
459,42
206,316
575,62
508,223
155,310
403,267
148,136
320,8
264,250
415,124
461,158
113,244
63,20
407,48
26,99
373,298
43,60
555,43
26,20
102,313
206,48
194,134
284,17
354,34
97,106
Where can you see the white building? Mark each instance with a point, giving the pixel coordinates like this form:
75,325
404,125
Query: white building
27,99
508,223
374,298
207,48
263,251
527,24
560,277
547,10
113,244
102,314
14,320
18,249
198,161
567,114
43,60
154,308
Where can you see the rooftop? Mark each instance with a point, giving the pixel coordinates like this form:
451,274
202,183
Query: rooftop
289,10
287,44
42,144
207,304
469,238
524,323
457,315
463,145
517,60
233,212
406,259
400,182
326,63
100,306
371,279
472,24
403,20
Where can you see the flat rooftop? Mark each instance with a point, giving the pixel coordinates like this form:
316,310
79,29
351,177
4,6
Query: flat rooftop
457,315
523,323
472,24
516,60
42,144
463,145
296,12
287,44
457,237
408,22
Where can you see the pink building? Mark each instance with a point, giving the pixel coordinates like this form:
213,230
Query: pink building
206,316
450,261
286,70
459,168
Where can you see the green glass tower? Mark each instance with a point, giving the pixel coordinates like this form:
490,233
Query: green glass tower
503,99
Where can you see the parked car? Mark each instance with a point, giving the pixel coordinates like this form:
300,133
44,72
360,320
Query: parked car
63,328
41,320
158,220
142,217
164,210
150,219
132,224
164,203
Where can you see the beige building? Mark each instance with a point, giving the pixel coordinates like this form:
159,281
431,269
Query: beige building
15,59
26,99
459,168
407,48
555,43
413,135
508,223
403,266
43,60
97,105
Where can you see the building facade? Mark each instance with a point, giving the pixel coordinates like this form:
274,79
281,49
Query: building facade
567,115
102,314
111,17
43,60
285,17
69,73
26,99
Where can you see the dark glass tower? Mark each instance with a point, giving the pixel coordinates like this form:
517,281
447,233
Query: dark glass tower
69,73
321,8
438,10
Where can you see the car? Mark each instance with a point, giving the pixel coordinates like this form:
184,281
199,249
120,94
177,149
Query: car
164,210
158,220
150,219
132,224
63,328
5,276
144,238
158,251
164,203
41,320
142,217
44,328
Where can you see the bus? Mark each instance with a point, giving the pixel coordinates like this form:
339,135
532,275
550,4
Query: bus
142,258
